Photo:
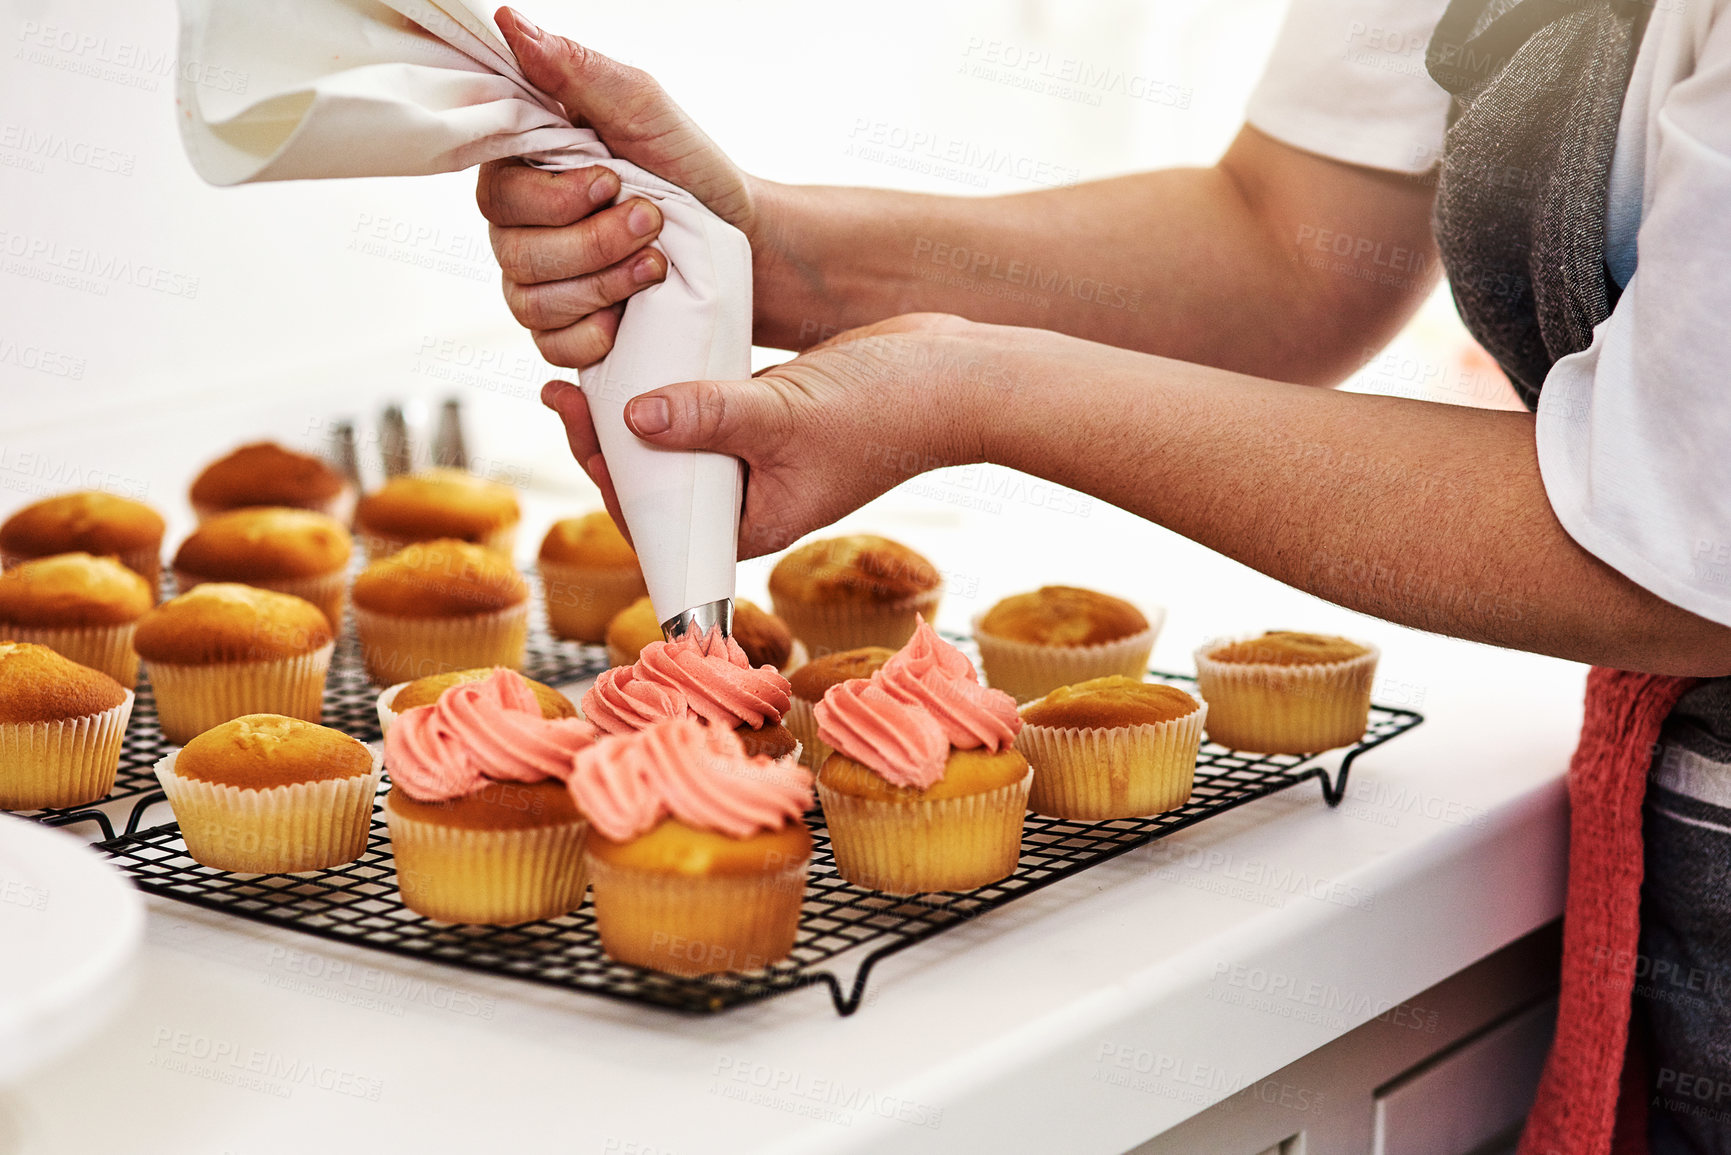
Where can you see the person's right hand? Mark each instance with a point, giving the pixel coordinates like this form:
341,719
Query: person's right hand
569,260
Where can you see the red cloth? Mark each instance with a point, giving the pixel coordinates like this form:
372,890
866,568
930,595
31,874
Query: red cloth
1578,1110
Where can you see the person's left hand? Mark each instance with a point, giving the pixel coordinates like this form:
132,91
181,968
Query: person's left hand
826,432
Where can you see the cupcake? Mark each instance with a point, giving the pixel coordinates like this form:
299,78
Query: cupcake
1031,644
426,691
590,574
440,606
292,551
812,681
222,650
706,676
88,522
764,637
264,473
925,790
82,607
859,590
698,853
1286,692
437,504
61,725
482,827
267,794
1111,747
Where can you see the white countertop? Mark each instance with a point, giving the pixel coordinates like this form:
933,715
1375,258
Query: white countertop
1084,1018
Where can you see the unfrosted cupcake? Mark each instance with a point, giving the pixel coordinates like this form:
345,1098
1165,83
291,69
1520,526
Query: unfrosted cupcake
1030,644
1286,692
812,681
698,854
707,676
765,638
90,522
440,606
61,725
590,574
860,590
1111,747
925,790
269,794
223,650
434,505
425,691
85,608
265,473
482,827
292,551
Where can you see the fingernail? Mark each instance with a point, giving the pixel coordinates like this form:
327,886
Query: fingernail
641,220
648,416
525,25
646,269
601,188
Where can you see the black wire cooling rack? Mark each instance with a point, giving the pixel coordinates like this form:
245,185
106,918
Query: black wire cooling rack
840,924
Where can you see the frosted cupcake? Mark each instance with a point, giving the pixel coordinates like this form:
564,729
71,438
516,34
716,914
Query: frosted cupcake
1286,692
265,473
1111,747
925,790
482,827
706,676
61,725
860,590
1032,643
439,606
292,551
88,521
812,681
698,853
765,638
425,691
269,794
83,607
222,650
437,504
590,574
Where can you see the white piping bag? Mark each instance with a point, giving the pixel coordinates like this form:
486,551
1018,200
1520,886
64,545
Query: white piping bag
341,88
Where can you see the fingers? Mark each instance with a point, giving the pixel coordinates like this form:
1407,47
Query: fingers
511,193
532,256
609,96
556,304
581,345
741,418
569,402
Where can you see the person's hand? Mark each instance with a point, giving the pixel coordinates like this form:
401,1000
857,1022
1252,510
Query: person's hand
831,429
568,254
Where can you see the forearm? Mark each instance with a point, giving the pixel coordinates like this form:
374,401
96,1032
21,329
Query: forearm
1429,515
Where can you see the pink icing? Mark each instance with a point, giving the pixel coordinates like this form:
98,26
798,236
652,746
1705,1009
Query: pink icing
622,701
681,769
711,672
480,732
906,718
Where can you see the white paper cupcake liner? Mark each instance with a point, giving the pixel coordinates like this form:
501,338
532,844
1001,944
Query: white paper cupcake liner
273,829
1271,709
914,847
801,720
497,877
387,715
696,924
66,763
581,600
105,648
396,649
1026,670
191,699
326,591
830,626
1112,772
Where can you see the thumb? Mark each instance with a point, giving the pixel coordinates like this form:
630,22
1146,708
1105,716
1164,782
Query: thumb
740,418
604,94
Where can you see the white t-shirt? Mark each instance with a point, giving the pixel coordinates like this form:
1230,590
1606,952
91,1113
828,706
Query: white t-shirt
1634,432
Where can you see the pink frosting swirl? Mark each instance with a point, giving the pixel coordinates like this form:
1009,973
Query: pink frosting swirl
480,732
622,701
930,673
679,768
903,743
710,671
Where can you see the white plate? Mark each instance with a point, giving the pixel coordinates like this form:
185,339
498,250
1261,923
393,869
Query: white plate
70,925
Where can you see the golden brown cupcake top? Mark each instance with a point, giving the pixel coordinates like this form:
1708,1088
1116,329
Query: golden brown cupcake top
439,503
72,589
775,741
860,567
495,806
672,847
764,637
263,544
440,579
258,751
590,540
426,691
1102,703
90,521
39,685
228,622
1063,616
966,773
812,679
265,473
1289,648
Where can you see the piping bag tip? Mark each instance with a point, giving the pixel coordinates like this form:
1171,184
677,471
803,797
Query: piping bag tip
701,618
